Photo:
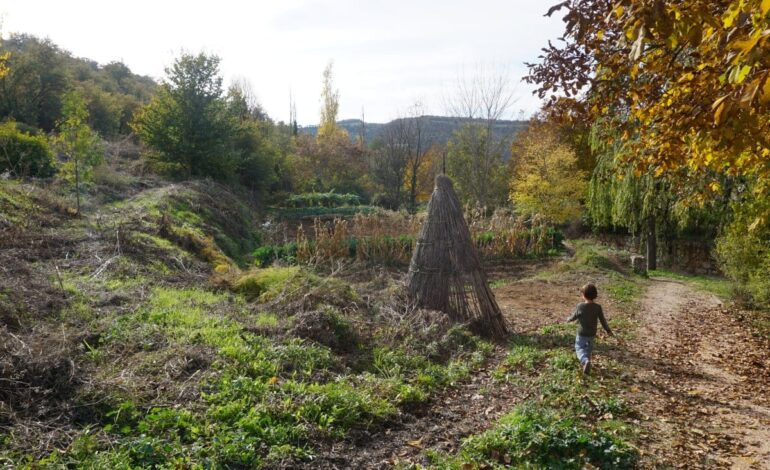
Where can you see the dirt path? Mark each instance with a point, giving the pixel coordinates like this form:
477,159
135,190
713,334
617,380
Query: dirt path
700,381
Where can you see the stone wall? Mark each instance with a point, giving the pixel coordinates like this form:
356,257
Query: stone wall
690,256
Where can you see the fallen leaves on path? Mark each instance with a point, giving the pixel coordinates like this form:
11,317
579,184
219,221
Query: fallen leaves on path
700,380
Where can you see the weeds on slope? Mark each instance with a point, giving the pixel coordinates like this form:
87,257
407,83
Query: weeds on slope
268,385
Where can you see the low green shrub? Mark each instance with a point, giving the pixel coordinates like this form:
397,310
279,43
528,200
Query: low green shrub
532,435
255,283
265,399
23,154
292,285
293,213
264,256
588,254
743,251
330,199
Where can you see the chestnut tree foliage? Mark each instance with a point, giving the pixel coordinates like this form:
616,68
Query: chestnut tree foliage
691,78
682,91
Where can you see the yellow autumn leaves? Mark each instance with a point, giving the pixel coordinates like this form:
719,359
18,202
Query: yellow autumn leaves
546,179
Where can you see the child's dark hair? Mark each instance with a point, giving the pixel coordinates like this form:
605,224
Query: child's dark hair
589,291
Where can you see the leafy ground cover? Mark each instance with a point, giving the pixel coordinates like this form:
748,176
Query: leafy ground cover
660,398
156,357
266,398
572,423
129,347
567,420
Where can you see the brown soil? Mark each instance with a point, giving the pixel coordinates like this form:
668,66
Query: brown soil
532,303
700,380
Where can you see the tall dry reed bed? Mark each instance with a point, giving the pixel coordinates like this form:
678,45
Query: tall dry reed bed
388,238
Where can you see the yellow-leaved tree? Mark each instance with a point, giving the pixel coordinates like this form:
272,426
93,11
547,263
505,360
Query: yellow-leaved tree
546,179
330,106
4,63
3,59
425,174
691,79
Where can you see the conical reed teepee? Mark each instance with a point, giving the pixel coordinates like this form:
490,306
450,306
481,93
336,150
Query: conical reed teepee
445,273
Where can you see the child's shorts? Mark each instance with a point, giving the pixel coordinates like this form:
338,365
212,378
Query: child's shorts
583,347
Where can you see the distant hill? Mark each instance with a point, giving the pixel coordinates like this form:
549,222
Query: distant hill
438,128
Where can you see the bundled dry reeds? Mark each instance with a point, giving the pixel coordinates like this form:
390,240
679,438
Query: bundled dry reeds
445,272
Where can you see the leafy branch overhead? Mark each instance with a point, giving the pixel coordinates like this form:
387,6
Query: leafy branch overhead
691,76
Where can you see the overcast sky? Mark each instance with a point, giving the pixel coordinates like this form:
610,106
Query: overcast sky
386,54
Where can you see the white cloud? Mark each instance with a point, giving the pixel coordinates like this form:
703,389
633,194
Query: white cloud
386,53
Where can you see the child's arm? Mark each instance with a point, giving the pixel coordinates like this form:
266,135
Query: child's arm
604,323
574,315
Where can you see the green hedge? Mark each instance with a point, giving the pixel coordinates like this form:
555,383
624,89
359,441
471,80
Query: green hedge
23,154
311,212
330,199
265,255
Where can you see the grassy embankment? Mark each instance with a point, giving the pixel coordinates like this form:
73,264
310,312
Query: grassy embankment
164,349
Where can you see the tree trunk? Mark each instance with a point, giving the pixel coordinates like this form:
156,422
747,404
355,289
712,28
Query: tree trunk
443,162
77,185
413,193
652,245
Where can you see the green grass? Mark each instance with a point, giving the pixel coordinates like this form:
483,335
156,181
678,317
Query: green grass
498,283
268,398
294,283
124,282
590,255
572,423
534,436
267,321
624,289
193,217
719,286
268,280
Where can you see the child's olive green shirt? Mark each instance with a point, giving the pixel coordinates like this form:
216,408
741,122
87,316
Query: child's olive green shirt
587,315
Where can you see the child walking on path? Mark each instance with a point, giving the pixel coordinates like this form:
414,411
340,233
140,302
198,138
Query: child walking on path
587,314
